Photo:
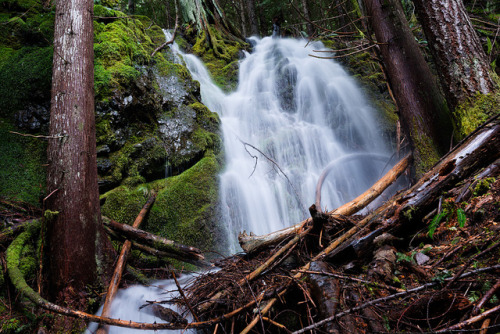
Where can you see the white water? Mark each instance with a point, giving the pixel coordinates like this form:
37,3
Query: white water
301,112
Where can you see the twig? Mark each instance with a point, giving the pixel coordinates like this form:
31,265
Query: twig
355,279
37,136
396,295
347,54
256,304
470,321
181,292
173,35
466,265
277,324
279,168
486,297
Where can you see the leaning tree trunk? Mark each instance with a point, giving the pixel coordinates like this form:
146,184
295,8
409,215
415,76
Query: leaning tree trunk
74,230
461,62
422,109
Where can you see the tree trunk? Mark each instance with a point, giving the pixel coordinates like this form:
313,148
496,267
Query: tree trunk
422,109
461,62
307,16
131,7
74,232
242,6
252,14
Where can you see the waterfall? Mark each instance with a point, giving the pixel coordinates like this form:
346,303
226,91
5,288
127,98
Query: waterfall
290,116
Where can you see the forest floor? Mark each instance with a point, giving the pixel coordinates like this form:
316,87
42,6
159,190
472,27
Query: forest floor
440,273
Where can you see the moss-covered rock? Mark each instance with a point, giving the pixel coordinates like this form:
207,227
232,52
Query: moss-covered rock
219,54
185,209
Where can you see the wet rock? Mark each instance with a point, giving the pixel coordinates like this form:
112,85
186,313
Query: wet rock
168,315
35,117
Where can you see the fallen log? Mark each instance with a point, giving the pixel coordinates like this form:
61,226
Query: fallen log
157,242
343,159
165,256
13,257
478,150
120,266
252,243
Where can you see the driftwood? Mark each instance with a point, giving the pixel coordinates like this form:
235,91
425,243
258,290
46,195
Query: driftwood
120,265
251,243
157,242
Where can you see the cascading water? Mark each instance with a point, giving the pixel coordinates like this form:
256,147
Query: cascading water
290,116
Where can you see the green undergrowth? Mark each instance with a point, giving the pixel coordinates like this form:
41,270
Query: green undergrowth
22,176
185,206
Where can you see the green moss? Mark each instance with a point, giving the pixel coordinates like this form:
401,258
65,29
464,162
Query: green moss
426,153
120,46
220,56
472,113
483,186
22,176
26,76
184,210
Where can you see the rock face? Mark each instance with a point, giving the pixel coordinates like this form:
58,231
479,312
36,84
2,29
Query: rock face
150,122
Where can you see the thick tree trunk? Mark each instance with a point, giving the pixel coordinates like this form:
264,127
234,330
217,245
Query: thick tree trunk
422,109
252,14
461,62
74,232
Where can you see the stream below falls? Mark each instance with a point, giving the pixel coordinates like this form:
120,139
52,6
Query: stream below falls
289,117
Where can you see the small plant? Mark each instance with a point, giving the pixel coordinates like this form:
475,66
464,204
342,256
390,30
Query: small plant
435,222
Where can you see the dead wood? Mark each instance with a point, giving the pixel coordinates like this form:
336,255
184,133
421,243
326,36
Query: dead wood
157,242
120,265
394,296
251,243
486,298
165,257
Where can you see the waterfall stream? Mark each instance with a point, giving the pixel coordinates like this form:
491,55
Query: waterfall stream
290,116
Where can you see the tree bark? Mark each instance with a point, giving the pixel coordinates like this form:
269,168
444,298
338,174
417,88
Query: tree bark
307,16
422,109
461,62
242,6
252,15
131,7
143,237
75,238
